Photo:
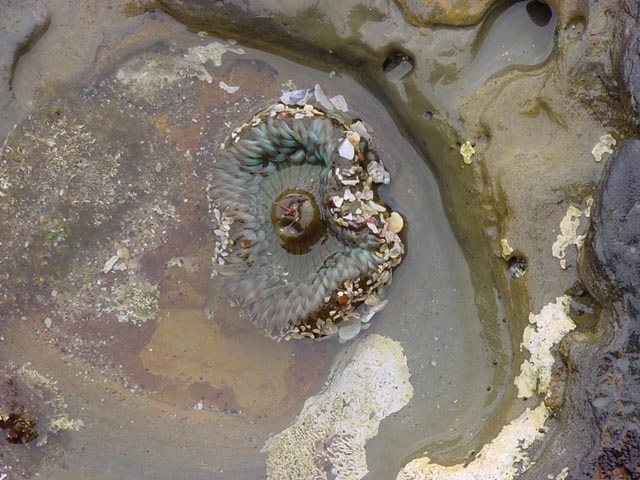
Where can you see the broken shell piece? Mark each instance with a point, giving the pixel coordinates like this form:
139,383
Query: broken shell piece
322,98
395,222
348,196
340,103
110,263
467,151
375,206
354,138
368,311
297,97
348,332
346,149
378,173
361,129
396,251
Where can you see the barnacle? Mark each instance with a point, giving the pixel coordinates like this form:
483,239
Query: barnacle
300,230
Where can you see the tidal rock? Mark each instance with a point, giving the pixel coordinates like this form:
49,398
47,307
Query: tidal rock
21,25
627,52
444,12
599,424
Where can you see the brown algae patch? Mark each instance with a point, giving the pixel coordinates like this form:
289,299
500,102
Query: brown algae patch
331,431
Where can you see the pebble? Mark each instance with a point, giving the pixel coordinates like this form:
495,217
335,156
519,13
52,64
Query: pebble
110,263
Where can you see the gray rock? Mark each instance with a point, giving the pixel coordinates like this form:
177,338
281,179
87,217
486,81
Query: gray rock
22,23
627,52
599,428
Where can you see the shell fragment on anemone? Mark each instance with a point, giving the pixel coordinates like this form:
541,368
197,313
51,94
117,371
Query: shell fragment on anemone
300,232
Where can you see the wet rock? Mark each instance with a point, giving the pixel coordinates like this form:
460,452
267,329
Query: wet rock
21,25
613,253
599,426
627,52
611,271
597,366
444,12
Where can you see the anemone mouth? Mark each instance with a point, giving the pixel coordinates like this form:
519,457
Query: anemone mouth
296,217
301,233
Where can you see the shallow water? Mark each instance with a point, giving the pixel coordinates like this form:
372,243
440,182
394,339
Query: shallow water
196,392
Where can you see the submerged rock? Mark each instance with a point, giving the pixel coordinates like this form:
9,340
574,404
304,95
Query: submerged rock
21,25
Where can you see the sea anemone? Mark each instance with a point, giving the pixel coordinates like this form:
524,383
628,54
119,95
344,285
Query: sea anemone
300,230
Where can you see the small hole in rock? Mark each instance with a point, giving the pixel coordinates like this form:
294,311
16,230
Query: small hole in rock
517,266
397,66
583,308
540,13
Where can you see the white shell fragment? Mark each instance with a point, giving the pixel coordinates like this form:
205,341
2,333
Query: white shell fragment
348,332
346,149
378,173
340,103
110,263
361,130
228,88
322,98
297,97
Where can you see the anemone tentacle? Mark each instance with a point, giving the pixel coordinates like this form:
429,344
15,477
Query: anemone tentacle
303,237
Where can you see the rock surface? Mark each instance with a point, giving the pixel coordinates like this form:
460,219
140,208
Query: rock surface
21,24
600,433
532,164
626,51
444,12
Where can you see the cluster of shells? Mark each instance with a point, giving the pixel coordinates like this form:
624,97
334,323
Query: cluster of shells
355,210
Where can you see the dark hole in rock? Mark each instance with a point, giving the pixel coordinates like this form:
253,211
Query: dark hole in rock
583,308
540,13
397,66
517,266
